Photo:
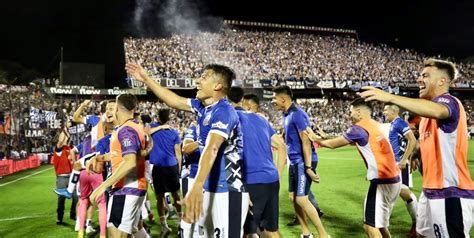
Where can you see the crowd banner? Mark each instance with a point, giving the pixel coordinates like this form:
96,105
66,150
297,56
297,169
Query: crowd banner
325,84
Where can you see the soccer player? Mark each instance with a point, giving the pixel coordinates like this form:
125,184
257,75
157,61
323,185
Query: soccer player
261,175
302,155
382,171
251,103
220,142
128,171
63,168
445,207
166,160
95,121
403,144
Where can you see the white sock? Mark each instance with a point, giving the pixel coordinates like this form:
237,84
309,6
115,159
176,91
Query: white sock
73,179
188,230
412,206
89,222
141,233
147,205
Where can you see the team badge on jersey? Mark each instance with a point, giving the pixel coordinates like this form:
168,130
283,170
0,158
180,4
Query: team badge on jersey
206,120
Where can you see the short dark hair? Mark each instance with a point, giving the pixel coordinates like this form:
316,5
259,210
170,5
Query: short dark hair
103,105
164,115
443,65
252,97
360,102
145,118
284,90
393,106
235,94
224,72
127,100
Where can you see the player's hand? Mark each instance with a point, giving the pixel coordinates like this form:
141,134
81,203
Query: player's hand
402,164
147,129
321,133
95,195
193,203
414,165
311,135
313,175
163,127
137,72
91,164
86,103
371,93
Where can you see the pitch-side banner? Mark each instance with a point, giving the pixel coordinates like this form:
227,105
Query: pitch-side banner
183,83
95,91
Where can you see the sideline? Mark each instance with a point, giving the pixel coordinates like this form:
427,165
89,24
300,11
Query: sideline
21,218
16,180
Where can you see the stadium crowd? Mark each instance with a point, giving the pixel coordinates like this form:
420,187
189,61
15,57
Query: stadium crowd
328,114
281,56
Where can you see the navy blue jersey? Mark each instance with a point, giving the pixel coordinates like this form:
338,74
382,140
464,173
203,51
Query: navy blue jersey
398,129
103,145
163,153
296,121
258,159
221,118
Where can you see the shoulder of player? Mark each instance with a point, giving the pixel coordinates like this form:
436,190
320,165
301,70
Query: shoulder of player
447,99
224,109
126,130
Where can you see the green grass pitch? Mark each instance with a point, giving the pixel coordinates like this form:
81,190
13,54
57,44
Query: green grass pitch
28,204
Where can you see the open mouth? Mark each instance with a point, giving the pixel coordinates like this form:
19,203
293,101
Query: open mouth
422,88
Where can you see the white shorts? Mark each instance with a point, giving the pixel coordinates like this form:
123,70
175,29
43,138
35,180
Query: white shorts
446,217
379,203
123,212
144,210
217,208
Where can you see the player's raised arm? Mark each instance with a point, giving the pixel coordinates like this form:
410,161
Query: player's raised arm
170,98
77,117
419,106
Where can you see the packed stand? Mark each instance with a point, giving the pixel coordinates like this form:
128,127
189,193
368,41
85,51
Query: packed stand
279,55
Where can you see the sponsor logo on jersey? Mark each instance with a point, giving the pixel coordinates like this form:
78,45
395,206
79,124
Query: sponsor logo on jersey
220,125
126,142
302,183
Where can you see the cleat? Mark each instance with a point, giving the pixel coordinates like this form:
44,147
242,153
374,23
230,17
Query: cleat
165,231
293,222
63,192
89,230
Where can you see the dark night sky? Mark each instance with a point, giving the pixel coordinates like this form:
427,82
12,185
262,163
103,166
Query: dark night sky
92,31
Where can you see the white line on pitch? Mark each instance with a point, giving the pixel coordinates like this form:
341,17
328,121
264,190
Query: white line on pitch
21,218
16,180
